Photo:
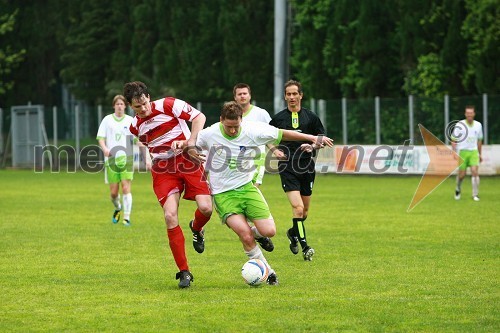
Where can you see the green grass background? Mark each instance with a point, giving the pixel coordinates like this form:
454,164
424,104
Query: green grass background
66,267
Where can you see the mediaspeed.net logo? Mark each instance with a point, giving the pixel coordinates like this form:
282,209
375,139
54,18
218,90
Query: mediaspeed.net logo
443,161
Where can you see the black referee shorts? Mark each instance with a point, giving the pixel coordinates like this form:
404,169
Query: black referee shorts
297,175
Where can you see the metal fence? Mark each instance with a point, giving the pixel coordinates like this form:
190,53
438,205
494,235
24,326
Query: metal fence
349,121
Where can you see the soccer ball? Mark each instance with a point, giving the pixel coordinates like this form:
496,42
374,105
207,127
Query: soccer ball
254,272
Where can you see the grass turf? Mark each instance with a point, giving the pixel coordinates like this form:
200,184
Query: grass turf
66,267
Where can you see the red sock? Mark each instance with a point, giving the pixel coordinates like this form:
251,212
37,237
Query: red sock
176,242
200,220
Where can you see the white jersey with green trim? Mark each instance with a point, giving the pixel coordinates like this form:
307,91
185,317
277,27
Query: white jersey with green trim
257,114
230,160
467,135
116,132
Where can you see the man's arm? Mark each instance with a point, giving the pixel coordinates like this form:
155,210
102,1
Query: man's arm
480,149
317,141
102,144
196,126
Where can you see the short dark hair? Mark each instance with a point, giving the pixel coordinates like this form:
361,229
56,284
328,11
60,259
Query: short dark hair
134,90
241,86
470,107
231,110
293,83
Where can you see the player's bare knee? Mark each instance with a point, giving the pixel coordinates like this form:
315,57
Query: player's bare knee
205,209
170,217
247,239
298,211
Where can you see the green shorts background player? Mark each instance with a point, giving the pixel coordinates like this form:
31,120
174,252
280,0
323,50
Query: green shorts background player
467,141
116,143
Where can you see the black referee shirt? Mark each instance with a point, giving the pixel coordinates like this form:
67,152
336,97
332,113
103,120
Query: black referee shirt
308,123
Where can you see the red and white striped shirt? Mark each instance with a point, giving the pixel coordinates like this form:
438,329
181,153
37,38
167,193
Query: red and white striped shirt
165,124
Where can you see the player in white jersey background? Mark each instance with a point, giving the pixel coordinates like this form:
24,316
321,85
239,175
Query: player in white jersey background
242,94
467,140
116,143
231,148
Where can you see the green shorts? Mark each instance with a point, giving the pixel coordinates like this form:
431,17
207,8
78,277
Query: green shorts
246,200
469,157
118,169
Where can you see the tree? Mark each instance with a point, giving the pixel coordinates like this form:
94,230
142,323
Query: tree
90,40
482,30
9,58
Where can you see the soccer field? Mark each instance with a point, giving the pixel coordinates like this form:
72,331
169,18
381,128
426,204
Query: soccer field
377,268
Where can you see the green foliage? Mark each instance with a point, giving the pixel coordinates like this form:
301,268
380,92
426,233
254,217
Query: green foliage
482,29
427,79
9,58
342,48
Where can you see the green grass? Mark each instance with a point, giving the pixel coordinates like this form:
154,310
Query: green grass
66,267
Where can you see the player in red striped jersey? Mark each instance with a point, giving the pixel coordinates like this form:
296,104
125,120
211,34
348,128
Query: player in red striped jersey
158,124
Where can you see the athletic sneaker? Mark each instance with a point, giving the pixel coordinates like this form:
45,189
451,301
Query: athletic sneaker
457,195
294,242
308,253
266,243
198,239
272,280
126,223
185,278
476,198
116,216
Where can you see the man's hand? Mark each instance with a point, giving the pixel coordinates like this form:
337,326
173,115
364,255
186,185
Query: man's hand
195,154
279,154
322,141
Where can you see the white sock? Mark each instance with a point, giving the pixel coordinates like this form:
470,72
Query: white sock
127,206
116,202
475,186
256,253
256,233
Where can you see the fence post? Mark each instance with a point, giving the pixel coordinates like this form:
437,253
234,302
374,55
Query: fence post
485,119
198,106
377,120
446,118
77,136
54,124
322,113
312,103
99,120
410,120
344,120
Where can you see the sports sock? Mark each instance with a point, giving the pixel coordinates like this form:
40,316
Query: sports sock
475,186
199,220
127,206
256,233
459,183
256,253
116,202
300,231
176,243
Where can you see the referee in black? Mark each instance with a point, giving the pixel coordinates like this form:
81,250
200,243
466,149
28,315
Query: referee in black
296,170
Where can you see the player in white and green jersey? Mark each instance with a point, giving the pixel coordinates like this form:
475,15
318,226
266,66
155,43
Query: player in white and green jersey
231,149
243,95
116,143
467,141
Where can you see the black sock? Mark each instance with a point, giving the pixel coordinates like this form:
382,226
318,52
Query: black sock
300,231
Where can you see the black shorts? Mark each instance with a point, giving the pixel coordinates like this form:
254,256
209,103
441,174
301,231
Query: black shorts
297,175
